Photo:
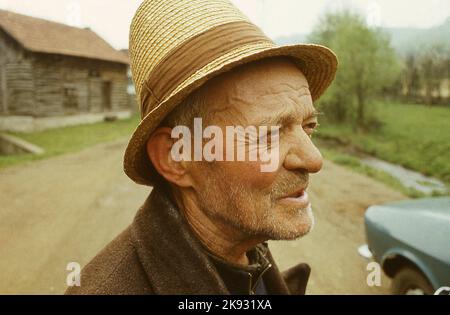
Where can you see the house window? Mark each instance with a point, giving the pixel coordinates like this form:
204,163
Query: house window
70,98
94,73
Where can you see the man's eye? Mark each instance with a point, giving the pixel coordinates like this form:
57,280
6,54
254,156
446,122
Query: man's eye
310,128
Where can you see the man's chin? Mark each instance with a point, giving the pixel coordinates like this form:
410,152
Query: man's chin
291,235
293,228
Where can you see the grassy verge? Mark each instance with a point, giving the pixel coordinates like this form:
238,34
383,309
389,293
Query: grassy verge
415,136
71,139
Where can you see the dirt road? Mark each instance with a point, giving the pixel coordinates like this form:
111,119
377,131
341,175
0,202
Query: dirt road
67,208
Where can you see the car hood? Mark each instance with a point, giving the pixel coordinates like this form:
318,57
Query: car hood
422,224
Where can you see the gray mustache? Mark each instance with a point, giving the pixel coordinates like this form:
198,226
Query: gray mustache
288,183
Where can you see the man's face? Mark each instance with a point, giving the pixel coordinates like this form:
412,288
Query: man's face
238,193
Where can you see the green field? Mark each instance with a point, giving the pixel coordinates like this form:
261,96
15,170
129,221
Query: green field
415,136
71,139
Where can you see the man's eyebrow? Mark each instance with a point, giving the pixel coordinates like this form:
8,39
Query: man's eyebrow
283,118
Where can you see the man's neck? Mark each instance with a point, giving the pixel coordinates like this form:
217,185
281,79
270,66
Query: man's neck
218,237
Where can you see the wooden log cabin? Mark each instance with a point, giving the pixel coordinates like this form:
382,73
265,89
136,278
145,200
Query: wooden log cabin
52,69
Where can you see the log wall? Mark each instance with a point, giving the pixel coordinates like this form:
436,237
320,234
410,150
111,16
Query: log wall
16,82
69,85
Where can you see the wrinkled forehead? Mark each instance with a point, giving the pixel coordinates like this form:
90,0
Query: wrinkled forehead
262,88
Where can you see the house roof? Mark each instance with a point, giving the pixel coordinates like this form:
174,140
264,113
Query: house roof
38,35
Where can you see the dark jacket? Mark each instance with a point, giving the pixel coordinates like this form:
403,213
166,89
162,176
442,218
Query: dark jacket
158,254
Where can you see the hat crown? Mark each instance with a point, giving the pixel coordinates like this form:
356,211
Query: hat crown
160,26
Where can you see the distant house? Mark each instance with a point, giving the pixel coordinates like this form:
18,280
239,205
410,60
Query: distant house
52,69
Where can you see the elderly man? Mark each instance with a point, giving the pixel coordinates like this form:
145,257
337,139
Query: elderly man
204,227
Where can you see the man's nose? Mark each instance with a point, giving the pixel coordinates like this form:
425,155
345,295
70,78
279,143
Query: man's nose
303,154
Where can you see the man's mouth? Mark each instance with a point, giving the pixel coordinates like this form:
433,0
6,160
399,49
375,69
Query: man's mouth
299,197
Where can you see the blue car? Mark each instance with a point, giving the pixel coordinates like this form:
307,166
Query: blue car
411,242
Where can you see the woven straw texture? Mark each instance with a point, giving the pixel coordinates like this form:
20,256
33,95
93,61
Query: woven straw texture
161,25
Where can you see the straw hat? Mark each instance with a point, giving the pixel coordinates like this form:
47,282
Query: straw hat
178,45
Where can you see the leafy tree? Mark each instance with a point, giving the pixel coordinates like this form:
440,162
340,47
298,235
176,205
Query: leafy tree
367,64
411,77
433,64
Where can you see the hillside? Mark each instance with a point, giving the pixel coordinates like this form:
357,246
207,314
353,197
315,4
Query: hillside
404,40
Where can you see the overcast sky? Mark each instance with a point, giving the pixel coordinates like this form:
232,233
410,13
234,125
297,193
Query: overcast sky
111,18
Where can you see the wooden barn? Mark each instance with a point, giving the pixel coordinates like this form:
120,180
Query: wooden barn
52,69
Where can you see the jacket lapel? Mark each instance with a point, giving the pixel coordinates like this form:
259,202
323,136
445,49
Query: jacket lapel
273,279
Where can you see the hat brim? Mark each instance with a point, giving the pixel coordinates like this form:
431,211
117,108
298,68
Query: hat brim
318,64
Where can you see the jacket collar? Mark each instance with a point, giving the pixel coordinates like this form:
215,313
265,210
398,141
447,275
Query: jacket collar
173,258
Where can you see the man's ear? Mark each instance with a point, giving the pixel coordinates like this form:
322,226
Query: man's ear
159,147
